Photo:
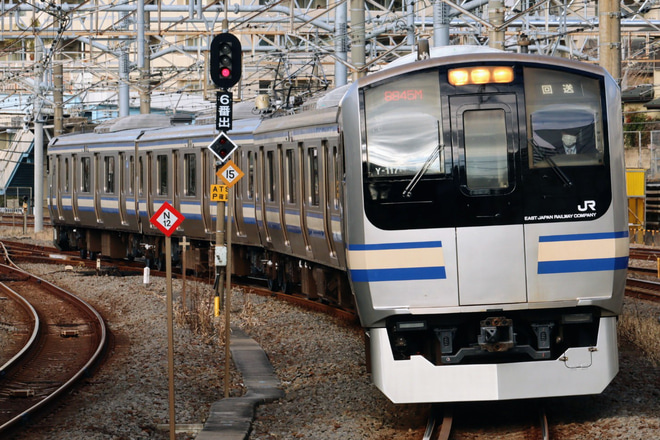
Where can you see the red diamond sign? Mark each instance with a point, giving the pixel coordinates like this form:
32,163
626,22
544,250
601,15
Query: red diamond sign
167,219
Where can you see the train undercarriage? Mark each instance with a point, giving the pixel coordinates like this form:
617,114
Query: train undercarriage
281,272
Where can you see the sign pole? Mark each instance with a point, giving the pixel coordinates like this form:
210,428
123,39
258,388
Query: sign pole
228,295
167,219
170,334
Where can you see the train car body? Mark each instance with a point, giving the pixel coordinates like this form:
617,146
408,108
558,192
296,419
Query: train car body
486,263
470,207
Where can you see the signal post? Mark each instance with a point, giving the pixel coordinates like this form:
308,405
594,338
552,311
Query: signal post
225,71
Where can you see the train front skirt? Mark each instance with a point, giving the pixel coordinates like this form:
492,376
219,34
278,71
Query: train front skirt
578,371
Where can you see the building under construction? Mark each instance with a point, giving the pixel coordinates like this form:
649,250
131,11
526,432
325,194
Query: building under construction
66,65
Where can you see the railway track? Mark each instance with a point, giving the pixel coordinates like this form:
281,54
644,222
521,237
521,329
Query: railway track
66,339
525,420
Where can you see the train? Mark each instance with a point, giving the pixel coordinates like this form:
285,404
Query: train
469,206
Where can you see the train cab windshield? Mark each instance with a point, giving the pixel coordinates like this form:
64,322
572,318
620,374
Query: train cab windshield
495,148
410,106
564,120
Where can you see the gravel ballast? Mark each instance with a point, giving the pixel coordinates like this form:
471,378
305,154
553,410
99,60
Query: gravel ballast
319,360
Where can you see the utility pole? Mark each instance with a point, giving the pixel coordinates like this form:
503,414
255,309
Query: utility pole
38,137
609,32
358,58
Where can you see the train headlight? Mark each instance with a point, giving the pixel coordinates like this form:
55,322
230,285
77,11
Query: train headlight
458,77
480,75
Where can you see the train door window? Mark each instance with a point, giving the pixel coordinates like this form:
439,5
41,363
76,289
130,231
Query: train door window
85,174
486,165
190,174
290,177
313,176
564,119
270,176
66,174
337,178
131,173
109,174
161,175
140,182
250,176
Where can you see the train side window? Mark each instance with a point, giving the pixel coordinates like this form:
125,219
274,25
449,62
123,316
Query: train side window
140,176
289,176
313,176
109,174
338,177
66,174
564,119
270,176
190,175
85,177
250,176
161,175
486,165
131,173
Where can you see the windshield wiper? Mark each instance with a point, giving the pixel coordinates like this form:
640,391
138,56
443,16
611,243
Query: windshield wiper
416,178
558,171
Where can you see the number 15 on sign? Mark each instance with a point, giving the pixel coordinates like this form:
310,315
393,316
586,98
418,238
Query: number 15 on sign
230,173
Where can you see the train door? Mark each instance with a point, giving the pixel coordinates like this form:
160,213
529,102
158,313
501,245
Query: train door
96,189
207,166
239,220
327,183
304,172
176,202
120,188
130,190
260,199
74,186
59,180
281,195
149,188
333,197
490,243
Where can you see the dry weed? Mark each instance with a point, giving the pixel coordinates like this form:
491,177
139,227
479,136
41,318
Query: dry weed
643,330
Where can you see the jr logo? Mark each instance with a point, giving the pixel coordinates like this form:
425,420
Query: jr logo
588,205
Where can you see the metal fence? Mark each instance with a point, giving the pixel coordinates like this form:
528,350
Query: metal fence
14,197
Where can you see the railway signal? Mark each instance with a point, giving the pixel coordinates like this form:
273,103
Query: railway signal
226,60
222,146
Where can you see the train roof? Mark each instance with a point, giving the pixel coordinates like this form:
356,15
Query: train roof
481,57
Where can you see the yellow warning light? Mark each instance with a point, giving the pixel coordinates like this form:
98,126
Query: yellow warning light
503,74
458,77
480,75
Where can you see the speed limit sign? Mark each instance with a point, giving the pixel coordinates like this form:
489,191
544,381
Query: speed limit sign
230,173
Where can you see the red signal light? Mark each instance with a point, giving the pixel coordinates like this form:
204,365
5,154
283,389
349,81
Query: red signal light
225,72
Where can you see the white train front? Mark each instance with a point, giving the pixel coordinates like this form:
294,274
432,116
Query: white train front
473,205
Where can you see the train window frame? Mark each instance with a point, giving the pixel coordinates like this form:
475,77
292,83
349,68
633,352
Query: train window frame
571,104
190,175
289,176
336,163
162,175
250,175
131,173
85,174
417,98
109,174
140,176
66,175
313,181
270,176
482,135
